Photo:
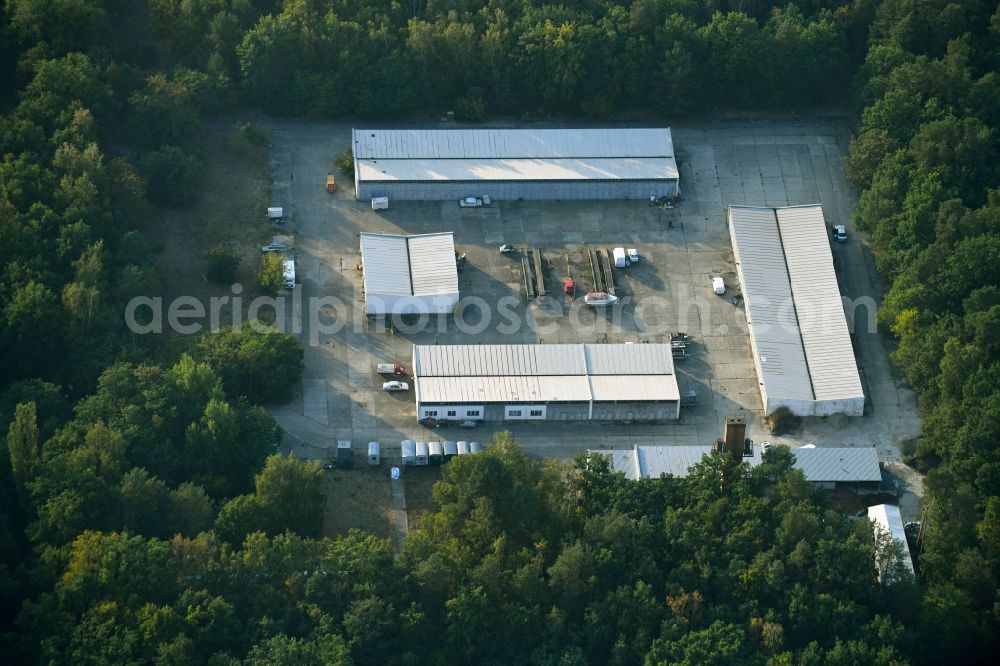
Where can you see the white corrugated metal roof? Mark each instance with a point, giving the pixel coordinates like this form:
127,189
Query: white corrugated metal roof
629,359
818,305
818,465
609,388
432,264
624,461
514,154
496,360
768,301
544,359
512,143
793,303
655,461
555,372
386,263
481,169
840,464
421,265
571,388
888,517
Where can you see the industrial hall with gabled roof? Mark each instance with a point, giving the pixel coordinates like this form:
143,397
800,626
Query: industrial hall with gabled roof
409,274
514,164
553,382
799,336
829,468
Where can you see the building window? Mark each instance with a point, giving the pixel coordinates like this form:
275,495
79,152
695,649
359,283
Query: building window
451,412
536,412
472,412
430,412
514,412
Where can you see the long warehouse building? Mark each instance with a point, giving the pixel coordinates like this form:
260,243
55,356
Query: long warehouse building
829,468
798,330
513,164
546,382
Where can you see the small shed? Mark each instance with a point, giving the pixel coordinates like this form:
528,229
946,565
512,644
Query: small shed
409,274
450,450
408,452
344,454
475,447
374,453
435,453
463,448
421,453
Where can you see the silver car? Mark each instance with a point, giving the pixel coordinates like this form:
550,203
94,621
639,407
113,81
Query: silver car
395,386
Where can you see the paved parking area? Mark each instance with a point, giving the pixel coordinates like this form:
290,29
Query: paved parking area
762,163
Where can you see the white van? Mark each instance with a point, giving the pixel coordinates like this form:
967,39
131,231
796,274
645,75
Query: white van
619,254
718,286
380,203
289,272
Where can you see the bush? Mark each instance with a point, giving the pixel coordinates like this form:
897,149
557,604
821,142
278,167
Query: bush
222,265
255,361
271,273
470,109
345,164
253,134
172,176
782,420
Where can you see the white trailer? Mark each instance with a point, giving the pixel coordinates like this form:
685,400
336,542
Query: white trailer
408,452
374,454
620,260
435,453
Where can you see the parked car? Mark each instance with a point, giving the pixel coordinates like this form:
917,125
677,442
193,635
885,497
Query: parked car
395,386
633,255
840,233
470,202
718,286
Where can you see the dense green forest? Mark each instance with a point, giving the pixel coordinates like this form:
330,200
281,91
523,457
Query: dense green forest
144,516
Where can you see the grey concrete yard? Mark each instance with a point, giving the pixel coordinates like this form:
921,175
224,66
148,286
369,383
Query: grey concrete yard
755,163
